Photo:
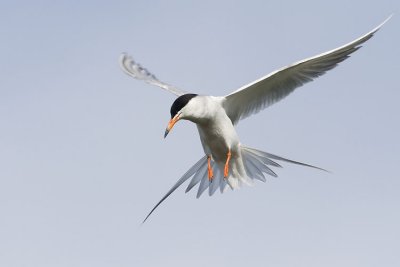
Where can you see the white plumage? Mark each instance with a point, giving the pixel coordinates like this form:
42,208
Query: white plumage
226,161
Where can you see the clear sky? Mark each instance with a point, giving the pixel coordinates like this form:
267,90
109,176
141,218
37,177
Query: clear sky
83,159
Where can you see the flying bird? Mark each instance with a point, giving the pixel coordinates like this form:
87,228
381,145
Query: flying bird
226,162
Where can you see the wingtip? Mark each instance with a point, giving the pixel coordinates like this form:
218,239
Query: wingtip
387,19
122,61
122,57
383,23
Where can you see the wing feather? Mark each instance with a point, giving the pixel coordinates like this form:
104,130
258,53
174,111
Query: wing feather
273,87
134,69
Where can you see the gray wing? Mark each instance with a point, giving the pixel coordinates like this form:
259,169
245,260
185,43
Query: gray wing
130,67
273,87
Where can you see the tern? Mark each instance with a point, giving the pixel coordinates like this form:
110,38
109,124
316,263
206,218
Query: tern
227,163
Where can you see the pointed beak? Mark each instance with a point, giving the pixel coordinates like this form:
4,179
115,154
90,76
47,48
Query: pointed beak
171,124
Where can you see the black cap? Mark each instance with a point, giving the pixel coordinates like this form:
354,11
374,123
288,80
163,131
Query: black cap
180,102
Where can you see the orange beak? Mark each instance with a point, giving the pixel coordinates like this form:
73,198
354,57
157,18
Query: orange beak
171,124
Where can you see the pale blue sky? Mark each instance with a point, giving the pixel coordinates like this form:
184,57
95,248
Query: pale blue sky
83,159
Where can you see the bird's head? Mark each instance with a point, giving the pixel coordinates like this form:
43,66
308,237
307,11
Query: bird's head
180,109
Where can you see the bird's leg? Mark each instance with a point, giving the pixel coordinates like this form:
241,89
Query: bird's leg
210,171
226,169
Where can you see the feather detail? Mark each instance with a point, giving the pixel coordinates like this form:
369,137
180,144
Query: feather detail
262,93
135,70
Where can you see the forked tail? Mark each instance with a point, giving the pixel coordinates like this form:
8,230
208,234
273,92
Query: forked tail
257,163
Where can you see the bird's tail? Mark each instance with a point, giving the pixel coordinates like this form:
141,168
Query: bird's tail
257,163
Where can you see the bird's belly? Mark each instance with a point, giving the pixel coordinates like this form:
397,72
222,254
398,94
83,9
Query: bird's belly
218,139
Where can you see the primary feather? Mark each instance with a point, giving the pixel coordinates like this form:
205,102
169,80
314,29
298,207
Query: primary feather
273,87
134,69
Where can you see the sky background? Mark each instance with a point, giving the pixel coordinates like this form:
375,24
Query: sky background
83,158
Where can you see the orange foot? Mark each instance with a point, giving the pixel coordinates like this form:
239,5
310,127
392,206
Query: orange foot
210,171
226,169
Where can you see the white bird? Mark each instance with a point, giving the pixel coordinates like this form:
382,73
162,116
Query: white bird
226,160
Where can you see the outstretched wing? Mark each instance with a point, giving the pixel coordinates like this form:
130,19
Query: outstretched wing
273,87
130,67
